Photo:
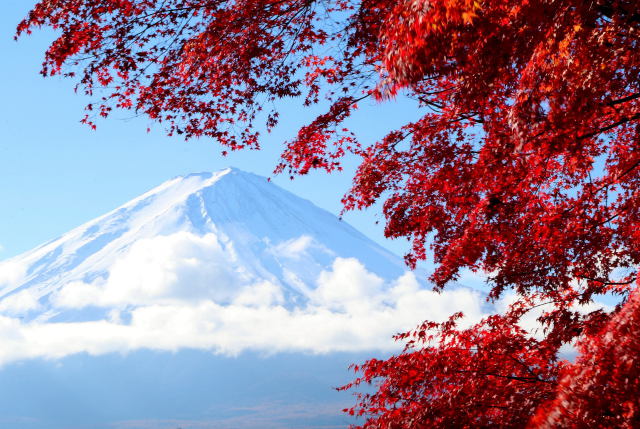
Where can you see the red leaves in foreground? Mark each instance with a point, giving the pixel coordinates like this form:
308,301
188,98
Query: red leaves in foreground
602,388
525,163
490,375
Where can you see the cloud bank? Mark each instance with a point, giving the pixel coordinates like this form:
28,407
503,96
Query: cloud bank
189,291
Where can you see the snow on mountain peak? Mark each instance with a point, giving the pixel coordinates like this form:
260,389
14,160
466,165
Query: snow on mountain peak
226,261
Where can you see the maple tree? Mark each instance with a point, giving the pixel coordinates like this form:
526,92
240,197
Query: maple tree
525,165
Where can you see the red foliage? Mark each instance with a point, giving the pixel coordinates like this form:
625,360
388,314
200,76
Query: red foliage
602,388
525,163
490,375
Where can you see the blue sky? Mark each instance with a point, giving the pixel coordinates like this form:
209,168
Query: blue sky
57,173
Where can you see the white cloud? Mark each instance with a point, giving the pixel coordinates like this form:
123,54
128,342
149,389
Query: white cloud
190,291
298,248
348,286
12,273
263,294
294,248
20,302
178,267
78,295
168,290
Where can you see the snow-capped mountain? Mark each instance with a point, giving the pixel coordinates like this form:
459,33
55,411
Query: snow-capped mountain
261,298
222,261
235,227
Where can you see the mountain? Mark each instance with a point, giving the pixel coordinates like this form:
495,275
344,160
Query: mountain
255,229
215,300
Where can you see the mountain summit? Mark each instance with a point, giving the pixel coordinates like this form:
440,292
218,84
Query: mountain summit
196,236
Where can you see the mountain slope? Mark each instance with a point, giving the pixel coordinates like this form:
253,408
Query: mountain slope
266,233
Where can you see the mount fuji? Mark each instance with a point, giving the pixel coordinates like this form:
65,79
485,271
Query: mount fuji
225,230
202,303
